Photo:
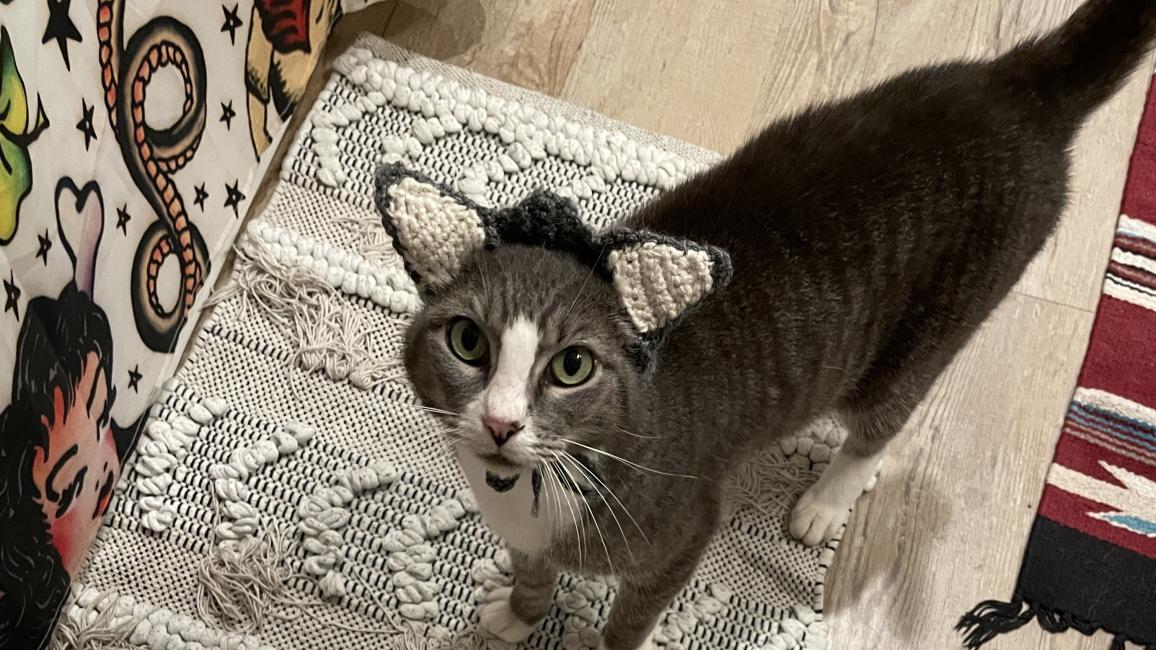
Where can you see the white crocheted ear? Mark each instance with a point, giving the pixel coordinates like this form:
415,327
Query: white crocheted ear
660,279
433,229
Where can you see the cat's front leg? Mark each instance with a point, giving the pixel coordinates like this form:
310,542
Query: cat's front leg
512,613
648,644
641,600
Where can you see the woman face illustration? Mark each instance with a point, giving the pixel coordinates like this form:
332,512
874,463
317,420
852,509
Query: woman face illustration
77,470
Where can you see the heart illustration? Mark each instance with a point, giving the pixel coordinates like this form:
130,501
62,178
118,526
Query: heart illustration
80,220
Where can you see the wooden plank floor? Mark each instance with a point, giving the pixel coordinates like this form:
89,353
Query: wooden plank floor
946,526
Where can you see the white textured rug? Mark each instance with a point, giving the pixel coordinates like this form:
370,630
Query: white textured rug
289,493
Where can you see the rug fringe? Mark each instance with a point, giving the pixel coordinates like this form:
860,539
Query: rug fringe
329,335
993,618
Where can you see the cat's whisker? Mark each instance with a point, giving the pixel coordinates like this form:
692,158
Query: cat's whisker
609,506
629,462
596,481
548,478
590,511
585,282
431,409
573,515
545,484
576,512
557,497
637,435
454,433
447,448
485,261
574,496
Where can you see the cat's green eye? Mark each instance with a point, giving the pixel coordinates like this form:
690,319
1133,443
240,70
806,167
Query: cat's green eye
572,366
467,341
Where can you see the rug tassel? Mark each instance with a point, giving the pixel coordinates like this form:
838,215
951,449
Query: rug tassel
991,619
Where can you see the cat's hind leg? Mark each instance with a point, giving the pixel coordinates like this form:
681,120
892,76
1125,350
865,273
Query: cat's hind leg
874,414
876,411
824,507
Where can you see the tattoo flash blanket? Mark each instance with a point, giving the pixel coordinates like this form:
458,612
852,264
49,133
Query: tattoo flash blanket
131,134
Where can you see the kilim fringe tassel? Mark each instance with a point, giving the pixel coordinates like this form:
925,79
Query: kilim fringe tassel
993,618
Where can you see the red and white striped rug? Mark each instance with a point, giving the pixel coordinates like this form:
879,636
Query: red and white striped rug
1090,562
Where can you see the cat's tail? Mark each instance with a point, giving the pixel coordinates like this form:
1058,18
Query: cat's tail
1081,64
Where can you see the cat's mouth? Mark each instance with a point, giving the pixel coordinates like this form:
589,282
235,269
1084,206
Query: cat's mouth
500,461
506,459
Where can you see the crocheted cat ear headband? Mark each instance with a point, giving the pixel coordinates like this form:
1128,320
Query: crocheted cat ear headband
659,279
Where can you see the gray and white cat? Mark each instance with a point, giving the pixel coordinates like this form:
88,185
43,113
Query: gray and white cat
599,387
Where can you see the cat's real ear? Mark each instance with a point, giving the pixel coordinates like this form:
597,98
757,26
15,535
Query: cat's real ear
660,279
433,227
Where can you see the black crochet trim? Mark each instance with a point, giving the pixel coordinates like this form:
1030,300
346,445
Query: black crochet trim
391,174
550,221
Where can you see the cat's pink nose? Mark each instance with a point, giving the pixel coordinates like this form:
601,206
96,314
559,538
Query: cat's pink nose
500,429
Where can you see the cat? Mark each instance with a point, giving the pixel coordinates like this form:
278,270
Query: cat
598,387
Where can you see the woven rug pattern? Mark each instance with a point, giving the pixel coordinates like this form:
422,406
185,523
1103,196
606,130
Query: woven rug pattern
289,492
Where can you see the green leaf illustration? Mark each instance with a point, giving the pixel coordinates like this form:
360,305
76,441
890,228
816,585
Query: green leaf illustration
15,165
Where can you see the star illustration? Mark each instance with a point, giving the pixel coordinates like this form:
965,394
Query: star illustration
122,219
134,378
201,196
13,301
227,114
85,124
232,22
45,244
235,197
61,28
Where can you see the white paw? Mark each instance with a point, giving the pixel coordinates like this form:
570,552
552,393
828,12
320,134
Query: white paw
499,620
814,521
824,507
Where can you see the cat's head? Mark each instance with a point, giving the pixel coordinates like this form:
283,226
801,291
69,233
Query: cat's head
535,333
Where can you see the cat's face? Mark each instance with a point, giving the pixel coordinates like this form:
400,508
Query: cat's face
536,332
529,355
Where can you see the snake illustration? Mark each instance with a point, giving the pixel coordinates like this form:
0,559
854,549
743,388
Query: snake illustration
154,155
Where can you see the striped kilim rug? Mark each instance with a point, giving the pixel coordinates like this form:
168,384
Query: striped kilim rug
289,492
1090,562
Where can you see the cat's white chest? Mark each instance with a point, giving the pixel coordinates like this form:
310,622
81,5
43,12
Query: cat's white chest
510,514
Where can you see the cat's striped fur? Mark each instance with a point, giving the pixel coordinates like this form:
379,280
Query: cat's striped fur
869,238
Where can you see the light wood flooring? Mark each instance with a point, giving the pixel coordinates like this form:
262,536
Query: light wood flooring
946,526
